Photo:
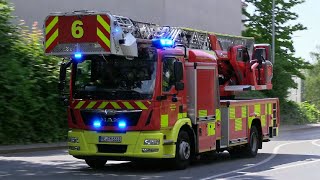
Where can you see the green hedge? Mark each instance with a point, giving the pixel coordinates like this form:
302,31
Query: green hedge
294,113
29,106
311,112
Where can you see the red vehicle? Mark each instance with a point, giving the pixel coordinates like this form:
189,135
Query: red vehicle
140,90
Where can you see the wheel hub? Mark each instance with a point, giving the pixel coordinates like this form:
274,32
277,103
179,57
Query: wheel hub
184,150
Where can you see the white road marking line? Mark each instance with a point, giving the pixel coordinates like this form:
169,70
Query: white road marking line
274,154
315,142
293,165
276,169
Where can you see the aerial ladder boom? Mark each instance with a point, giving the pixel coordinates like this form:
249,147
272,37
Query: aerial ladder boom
258,72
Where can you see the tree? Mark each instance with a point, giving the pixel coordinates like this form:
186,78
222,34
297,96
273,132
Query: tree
259,25
29,106
312,82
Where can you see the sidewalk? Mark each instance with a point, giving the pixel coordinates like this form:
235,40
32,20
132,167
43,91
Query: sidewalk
63,145
298,127
32,147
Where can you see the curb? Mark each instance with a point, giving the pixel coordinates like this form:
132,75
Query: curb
285,128
10,149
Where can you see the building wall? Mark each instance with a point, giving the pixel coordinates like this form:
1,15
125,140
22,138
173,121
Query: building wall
222,16
296,94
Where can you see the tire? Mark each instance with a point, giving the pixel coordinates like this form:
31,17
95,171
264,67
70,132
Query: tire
96,163
183,151
253,145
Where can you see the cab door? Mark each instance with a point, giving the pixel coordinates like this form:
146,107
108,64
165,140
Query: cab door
171,105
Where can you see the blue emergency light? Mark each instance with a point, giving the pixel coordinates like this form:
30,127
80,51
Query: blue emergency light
117,29
166,42
97,124
78,55
122,124
162,43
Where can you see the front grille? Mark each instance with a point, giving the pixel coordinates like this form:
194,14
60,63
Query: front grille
107,148
131,117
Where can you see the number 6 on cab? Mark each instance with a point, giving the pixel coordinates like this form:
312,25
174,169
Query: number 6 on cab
77,29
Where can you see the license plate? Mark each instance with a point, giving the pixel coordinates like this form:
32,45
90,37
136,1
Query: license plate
113,139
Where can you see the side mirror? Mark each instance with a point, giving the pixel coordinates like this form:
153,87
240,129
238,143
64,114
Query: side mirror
178,75
178,71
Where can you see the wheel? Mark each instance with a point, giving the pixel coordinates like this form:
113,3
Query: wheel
249,150
183,151
253,145
96,163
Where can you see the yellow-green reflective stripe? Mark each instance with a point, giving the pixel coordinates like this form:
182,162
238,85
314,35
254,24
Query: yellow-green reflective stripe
103,37
218,115
115,105
238,124
244,111
203,113
52,24
164,120
269,108
103,23
250,121
182,115
263,120
91,104
266,109
78,106
257,109
128,105
232,112
103,105
211,129
52,38
140,105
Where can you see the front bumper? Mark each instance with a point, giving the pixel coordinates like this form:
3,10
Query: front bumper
86,143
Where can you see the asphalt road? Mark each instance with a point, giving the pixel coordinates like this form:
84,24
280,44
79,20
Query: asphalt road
293,155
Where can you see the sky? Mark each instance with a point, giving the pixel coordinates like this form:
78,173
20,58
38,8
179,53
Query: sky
306,41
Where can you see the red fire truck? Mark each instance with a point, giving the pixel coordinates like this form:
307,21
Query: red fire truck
140,91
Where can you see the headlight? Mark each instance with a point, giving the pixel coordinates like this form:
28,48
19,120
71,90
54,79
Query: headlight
151,141
74,140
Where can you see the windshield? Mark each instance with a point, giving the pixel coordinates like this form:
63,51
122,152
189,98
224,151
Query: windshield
116,78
